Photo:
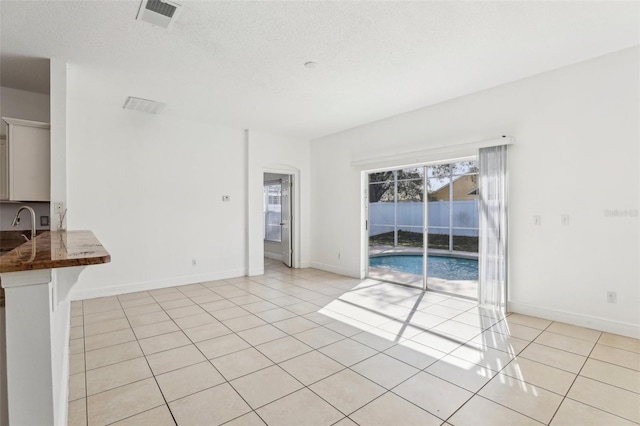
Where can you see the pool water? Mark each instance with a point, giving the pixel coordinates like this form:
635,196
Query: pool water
446,268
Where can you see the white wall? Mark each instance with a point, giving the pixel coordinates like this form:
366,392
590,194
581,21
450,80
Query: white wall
150,187
62,279
276,154
576,152
16,103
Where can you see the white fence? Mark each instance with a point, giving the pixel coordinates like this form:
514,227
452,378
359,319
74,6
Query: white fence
464,217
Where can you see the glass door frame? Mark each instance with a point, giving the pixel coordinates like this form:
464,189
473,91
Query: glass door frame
367,216
425,213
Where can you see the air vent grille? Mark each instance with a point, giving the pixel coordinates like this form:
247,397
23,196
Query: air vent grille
164,9
158,12
143,105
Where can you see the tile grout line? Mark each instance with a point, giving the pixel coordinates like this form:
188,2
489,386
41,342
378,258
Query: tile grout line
299,315
574,381
247,289
226,381
274,364
366,378
152,373
305,386
579,375
477,393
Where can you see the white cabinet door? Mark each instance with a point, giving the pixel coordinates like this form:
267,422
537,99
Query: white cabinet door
29,160
4,170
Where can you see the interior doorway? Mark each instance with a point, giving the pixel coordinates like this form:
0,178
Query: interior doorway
278,217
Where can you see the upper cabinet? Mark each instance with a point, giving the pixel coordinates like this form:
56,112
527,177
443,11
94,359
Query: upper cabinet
25,163
4,169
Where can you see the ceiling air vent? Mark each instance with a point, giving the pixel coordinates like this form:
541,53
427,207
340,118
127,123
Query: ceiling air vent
157,12
143,105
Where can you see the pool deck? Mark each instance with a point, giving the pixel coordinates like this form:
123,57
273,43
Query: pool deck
389,250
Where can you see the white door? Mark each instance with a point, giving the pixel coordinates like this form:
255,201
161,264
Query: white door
286,220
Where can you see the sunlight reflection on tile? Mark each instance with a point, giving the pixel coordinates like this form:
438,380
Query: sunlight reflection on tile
501,342
438,341
487,357
522,397
462,373
415,354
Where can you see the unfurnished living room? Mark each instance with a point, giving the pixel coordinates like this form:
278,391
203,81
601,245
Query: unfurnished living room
320,212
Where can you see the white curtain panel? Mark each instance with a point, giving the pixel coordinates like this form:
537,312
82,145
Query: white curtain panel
492,261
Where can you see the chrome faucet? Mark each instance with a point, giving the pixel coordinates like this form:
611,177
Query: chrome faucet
16,221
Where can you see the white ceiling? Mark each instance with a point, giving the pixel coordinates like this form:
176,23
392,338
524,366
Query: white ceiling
240,63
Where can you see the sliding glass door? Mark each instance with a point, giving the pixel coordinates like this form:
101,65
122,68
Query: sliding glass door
443,197
452,225
396,226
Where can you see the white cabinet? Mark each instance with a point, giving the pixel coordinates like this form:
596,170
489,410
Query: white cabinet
27,163
4,170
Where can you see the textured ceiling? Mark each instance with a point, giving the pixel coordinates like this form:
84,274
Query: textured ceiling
240,63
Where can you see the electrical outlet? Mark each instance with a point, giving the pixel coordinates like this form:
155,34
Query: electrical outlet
612,297
194,262
338,255
226,198
537,220
564,220
58,207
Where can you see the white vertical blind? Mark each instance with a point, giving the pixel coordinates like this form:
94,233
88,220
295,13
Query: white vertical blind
492,259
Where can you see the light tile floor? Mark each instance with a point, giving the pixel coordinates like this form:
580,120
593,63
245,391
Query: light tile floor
306,347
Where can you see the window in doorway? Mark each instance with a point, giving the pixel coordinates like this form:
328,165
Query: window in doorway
272,207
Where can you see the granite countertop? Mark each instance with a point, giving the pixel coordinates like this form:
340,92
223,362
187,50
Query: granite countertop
58,249
12,239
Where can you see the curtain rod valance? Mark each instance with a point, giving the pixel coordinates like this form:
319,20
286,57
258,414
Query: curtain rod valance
432,154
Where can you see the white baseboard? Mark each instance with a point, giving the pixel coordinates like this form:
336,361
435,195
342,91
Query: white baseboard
335,269
252,272
601,324
305,264
152,285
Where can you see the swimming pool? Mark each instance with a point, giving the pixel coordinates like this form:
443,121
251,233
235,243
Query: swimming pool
446,268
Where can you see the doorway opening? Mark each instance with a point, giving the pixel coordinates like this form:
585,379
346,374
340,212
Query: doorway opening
423,227
278,218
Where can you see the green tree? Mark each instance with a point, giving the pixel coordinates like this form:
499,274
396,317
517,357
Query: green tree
410,181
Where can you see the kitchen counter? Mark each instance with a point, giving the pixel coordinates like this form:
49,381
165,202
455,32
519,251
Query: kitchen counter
12,239
57,249
37,277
